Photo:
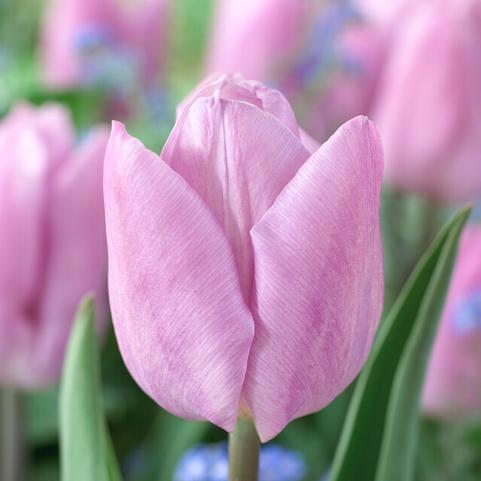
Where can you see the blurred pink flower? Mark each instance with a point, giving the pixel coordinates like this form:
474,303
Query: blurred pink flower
428,104
256,36
322,56
245,269
52,238
102,42
453,384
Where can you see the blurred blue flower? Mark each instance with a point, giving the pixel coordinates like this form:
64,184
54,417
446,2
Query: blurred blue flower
321,53
279,464
105,62
203,463
210,463
467,315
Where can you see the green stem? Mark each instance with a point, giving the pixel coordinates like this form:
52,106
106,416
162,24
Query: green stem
11,442
244,452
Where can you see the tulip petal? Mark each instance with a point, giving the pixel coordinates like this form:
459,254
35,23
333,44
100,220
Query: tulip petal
182,325
252,36
319,280
77,251
237,158
24,176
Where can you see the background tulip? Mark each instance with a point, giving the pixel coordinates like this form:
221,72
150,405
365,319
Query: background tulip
453,384
321,55
52,238
428,106
255,36
245,270
102,42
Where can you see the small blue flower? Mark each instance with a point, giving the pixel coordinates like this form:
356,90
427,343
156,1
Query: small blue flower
210,463
105,62
467,313
321,54
92,36
203,463
279,464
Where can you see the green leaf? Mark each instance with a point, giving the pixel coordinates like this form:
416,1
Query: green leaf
379,436
173,437
86,449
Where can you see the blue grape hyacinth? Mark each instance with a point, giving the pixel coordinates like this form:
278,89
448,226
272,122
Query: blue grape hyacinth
210,463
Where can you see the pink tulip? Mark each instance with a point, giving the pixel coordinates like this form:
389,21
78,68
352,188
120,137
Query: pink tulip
255,36
93,41
428,106
323,57
245,269
453,384
52,238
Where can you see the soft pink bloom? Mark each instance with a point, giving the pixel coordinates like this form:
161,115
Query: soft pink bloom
428,105
102,41
245,269
254,37
52,238
322,56
453,384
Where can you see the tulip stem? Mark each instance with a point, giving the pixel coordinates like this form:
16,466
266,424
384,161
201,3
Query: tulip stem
244,447
11,442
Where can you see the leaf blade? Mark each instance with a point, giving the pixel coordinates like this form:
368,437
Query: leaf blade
84,441
358,451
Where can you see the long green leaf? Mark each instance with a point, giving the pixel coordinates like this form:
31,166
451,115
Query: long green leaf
414,315
86,450
401,430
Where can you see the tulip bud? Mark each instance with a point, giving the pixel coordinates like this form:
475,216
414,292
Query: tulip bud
103,43
52,238
453,383
245,270
428,106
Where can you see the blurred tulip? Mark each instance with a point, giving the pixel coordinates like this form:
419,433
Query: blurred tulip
319,54
453,384
107,42
52,238
255,36
245,270
428,106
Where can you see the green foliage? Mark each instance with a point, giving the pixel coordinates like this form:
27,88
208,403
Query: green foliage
86,450
380,434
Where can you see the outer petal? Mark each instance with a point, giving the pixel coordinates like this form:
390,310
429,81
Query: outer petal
24,175
237,158
319,280
77,252
183,328
453,382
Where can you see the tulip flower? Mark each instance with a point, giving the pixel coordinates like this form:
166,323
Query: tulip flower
245,267
102,42
453,383
428,106
52,238
323,57
268,30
